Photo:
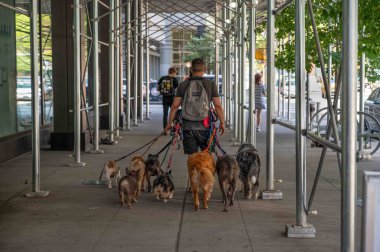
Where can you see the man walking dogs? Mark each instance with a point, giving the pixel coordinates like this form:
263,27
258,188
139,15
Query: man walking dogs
194,96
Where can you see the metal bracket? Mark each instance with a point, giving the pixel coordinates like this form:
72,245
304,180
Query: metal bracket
294,231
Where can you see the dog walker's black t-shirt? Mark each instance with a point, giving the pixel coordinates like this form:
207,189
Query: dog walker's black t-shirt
212,91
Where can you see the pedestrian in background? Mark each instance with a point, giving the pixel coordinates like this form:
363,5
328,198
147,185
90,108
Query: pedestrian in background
259,101
167,86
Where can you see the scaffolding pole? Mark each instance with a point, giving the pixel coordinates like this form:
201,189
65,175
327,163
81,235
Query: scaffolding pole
236,82
128,64
136,59
147,62
111,75
36,190
349,95
95,73
141,61
252,70
117,70
270,192
228,70
243,54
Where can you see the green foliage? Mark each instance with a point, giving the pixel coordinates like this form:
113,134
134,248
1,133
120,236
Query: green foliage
23,42
328,18
201,47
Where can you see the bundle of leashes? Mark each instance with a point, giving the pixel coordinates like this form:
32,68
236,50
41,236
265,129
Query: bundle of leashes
214,139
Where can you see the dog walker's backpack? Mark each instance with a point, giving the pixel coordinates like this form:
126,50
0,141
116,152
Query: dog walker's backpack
195,104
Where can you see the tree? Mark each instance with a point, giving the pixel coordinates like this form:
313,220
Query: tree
328,17
201,47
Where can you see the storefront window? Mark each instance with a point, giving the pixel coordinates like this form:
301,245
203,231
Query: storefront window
15,68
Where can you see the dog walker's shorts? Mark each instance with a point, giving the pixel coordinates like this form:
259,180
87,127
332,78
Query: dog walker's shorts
192,139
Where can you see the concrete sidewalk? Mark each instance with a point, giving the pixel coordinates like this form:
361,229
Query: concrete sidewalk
79,217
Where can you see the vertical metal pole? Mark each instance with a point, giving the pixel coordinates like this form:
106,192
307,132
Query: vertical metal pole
252,70
361,99
289,84
117,69
269,192
141,60
95,72
329,67
224,65
243,53
349,94
128,63
147,62
300,112
301,229
238,72
35,96
111,75
278,92
282,95
36,190
41,58
236,83
228,69
136,60
271,95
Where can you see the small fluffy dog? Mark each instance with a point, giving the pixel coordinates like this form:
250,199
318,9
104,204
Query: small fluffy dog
137,165
128,185
249,163
228,174
201,168
163,186
152,168
111,170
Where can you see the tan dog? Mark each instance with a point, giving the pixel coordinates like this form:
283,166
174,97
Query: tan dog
201,168
111,170
137,165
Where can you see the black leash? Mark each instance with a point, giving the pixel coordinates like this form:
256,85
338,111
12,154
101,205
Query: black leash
152,141
166,146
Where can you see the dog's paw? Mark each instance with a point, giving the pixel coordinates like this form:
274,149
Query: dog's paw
225,210
134,201
164,200
109,186
205,207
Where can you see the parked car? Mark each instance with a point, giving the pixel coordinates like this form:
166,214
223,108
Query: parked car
372,104
24,89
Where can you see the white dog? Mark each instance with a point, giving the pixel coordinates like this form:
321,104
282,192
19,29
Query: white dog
111,170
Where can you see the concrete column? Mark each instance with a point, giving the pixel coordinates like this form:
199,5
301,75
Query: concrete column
62,138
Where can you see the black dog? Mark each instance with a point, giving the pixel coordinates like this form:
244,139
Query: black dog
152,168
249,162
163,186
228,175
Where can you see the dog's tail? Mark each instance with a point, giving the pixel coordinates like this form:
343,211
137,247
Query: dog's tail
206,178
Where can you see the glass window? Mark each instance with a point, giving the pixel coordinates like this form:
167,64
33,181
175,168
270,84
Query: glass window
15,69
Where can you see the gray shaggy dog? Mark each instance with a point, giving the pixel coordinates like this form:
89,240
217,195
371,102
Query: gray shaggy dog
228,175
249,163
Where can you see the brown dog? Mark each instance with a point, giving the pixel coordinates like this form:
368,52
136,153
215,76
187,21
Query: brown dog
128,185
137,165
111,170
201,168
228,174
